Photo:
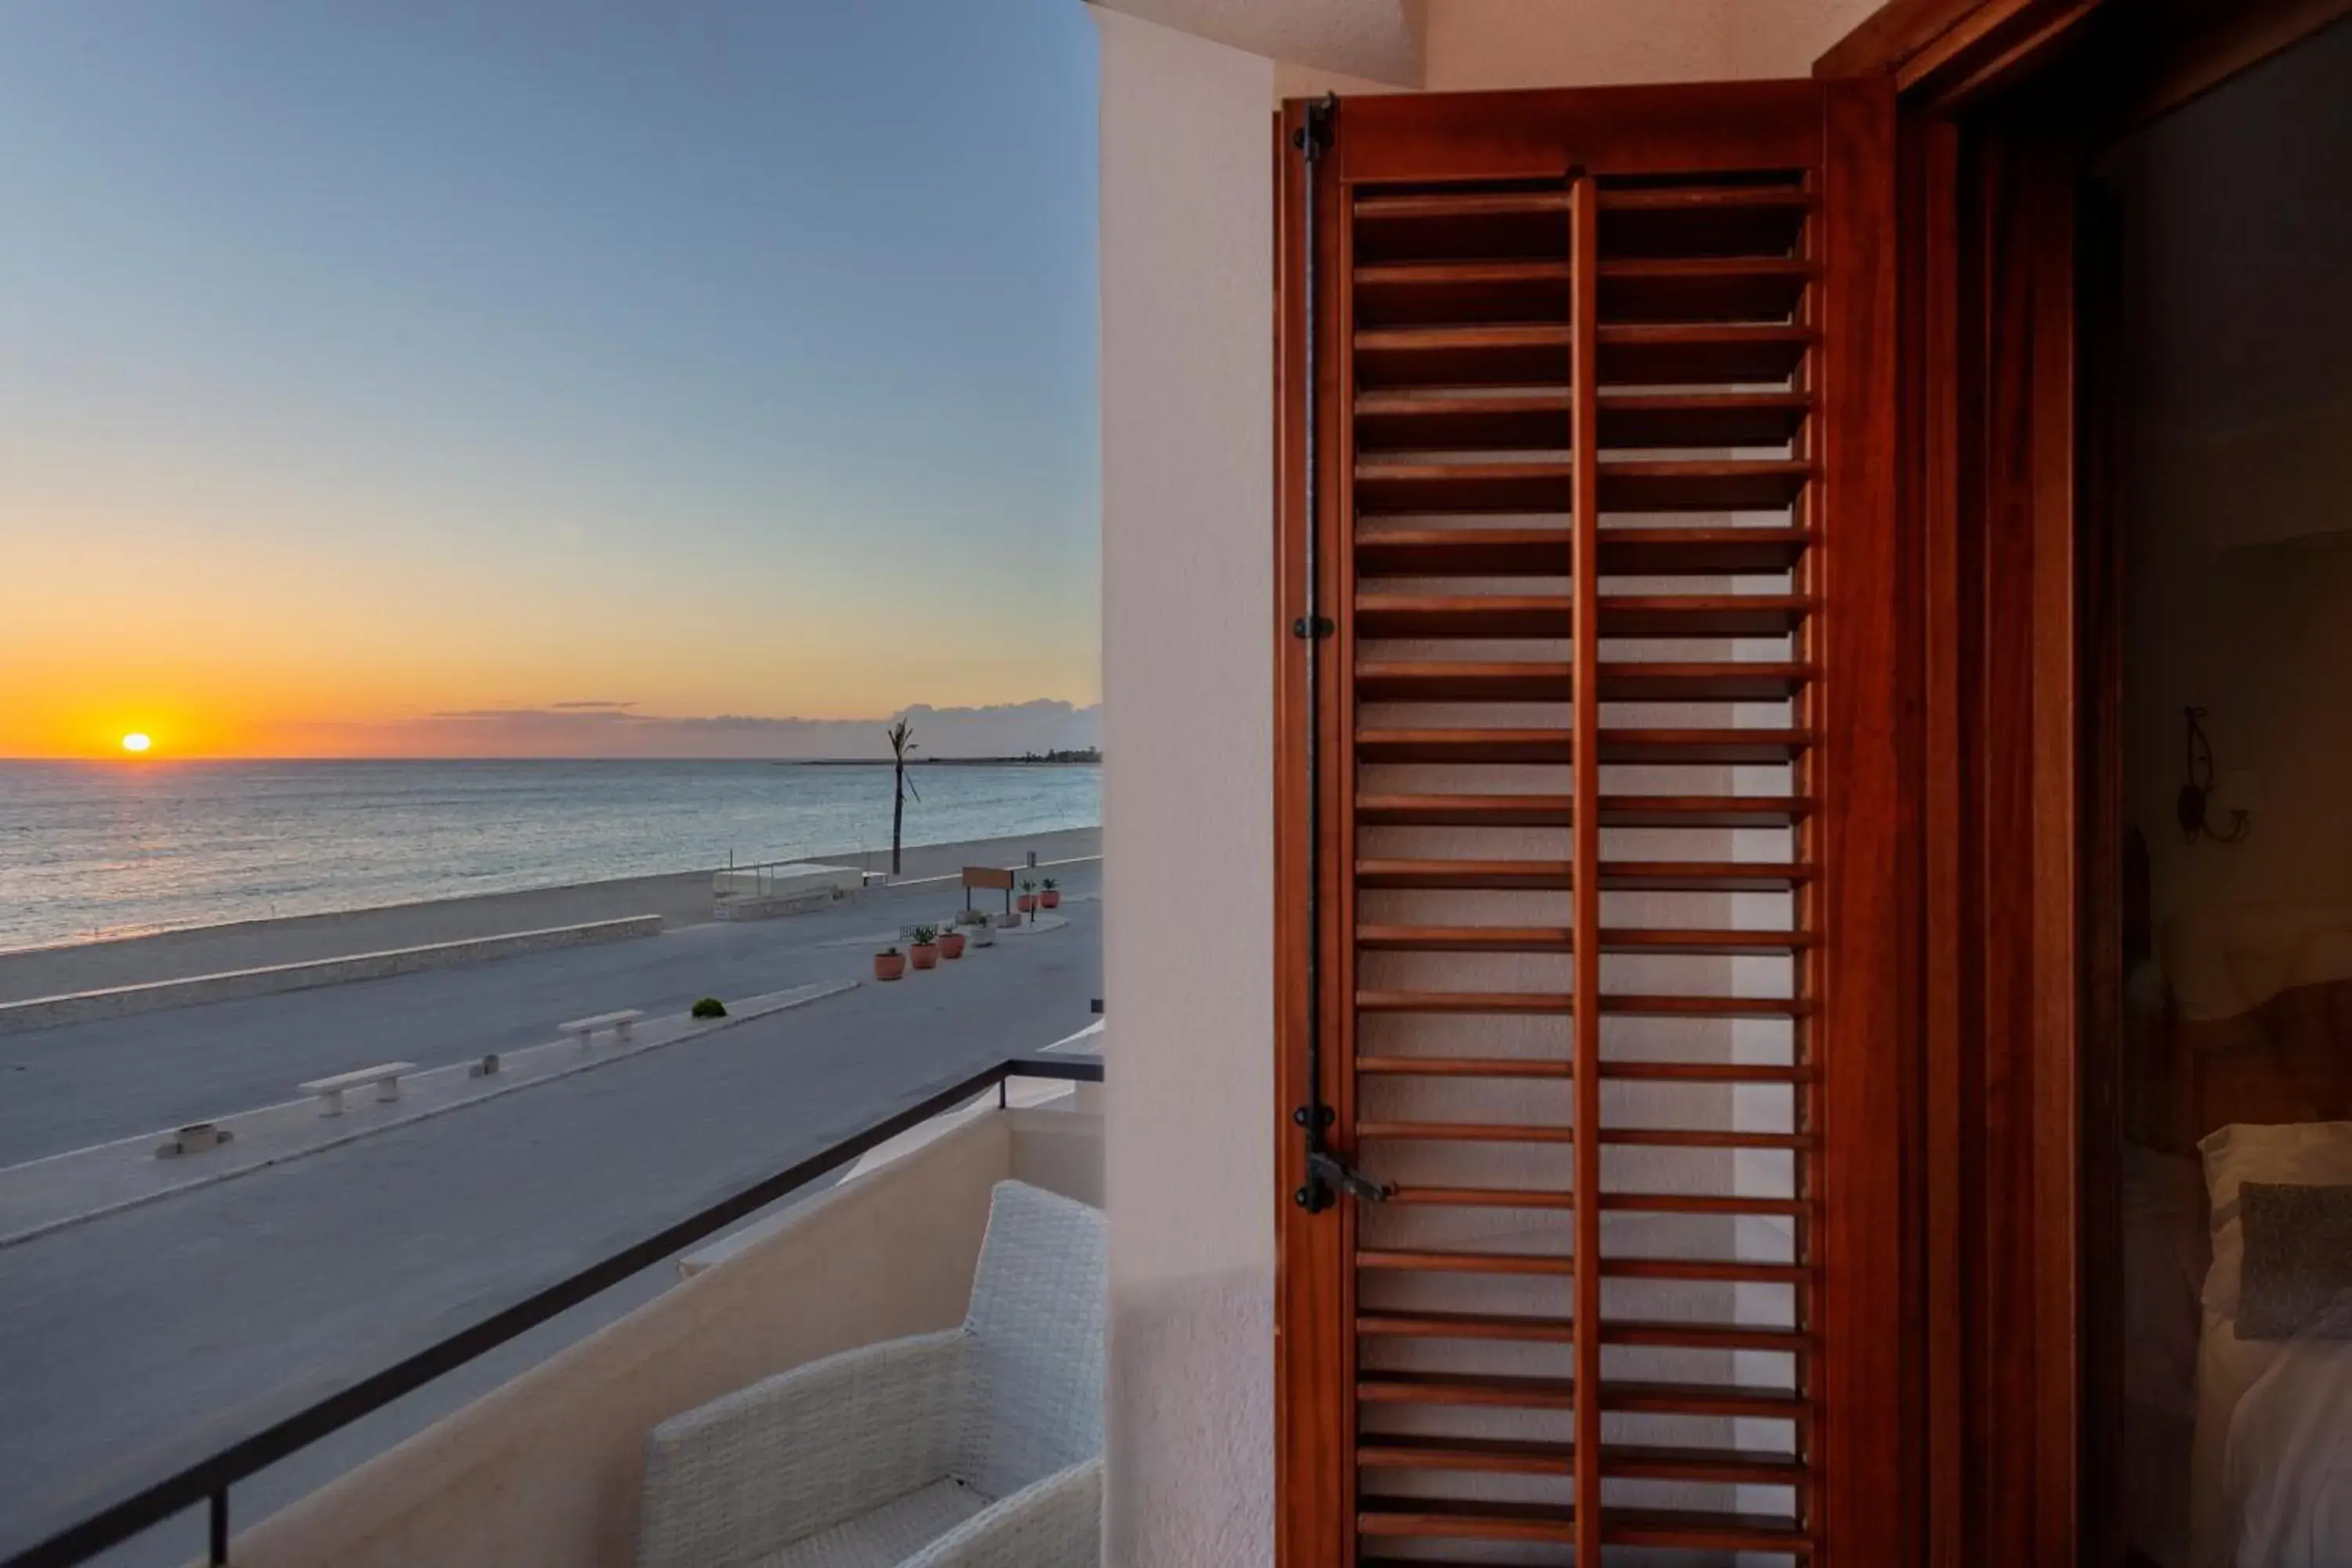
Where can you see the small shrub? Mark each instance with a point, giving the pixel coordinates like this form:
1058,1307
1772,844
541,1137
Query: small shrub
711,1008
923,936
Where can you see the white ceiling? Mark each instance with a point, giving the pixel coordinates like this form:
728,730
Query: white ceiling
1380,40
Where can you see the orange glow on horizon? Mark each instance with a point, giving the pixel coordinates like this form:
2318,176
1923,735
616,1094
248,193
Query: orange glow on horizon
155,724
216,648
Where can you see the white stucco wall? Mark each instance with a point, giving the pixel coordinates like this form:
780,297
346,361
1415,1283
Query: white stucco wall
1187,583
1187,832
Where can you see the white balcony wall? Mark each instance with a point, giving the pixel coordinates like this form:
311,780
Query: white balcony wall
543,1472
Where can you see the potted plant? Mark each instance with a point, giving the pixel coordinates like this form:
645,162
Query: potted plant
1051,898
889,963
950,943
977,928
1028,899
923,946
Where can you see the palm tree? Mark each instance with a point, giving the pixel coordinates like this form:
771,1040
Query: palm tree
901,742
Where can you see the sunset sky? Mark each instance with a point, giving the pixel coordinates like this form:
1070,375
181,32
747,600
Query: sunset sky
375,374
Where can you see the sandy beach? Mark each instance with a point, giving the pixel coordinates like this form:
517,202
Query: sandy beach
681,899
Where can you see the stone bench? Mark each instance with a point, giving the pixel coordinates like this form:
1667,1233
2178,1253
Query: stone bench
385,1076
620,1023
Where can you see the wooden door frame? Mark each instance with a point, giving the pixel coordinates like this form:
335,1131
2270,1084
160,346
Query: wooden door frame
2004,817
2012,550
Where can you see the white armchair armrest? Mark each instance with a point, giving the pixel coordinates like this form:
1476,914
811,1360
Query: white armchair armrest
1052,1523
803,1450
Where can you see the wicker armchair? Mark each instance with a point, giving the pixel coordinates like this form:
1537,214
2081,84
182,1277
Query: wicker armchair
980,1448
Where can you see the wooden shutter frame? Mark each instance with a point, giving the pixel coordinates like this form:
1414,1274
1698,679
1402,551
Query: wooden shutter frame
1866,966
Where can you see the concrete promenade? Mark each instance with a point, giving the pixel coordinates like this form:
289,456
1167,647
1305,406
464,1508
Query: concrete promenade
84,1083
681,899
145,1338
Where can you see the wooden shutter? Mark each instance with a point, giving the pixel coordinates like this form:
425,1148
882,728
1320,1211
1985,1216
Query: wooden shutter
1599,404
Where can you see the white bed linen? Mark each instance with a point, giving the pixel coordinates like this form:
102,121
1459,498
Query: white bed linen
2274,1463
2271,1472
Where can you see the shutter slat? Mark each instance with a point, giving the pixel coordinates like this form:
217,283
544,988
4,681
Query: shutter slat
1676,354
1556,811
1647,1462
1631,876
1461,291
1559,1394
1518,355
1561,939
1510,617
1661,1528
1703,221
1703,288
1437,1518
1533,681
1548,1133
1625,1203
1472,418
1458,1262
1656,485
1522,1328
1534,354
1543,551
1689,748
1546,1068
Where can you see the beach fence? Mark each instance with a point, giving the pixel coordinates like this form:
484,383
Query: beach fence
770,888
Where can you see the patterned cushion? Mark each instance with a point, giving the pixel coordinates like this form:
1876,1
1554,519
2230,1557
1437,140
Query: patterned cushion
2296,1277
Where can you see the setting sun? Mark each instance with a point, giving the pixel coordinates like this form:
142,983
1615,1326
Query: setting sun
135,742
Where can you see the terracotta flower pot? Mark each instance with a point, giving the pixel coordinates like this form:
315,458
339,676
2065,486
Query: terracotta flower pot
1050,898
1026,902
952,944
889,965
926,954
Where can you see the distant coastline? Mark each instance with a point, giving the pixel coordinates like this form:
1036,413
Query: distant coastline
1089,758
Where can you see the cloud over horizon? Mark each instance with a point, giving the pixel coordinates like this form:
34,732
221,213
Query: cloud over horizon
605,728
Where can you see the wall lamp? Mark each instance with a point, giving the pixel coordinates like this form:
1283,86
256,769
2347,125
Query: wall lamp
2202,805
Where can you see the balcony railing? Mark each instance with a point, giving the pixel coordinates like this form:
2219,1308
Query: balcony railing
207,1480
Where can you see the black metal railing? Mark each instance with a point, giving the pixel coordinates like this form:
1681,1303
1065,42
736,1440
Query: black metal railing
207,1482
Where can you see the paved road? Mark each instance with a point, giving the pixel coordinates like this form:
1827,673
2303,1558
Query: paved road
151,1336
84,1083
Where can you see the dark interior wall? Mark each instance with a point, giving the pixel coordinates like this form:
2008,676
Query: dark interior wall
2236,214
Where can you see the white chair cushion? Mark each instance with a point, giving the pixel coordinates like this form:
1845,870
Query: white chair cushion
885,1537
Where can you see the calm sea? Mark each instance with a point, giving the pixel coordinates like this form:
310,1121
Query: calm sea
110,849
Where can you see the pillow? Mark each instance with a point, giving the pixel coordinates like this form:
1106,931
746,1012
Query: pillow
2299,1153
2297,1261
